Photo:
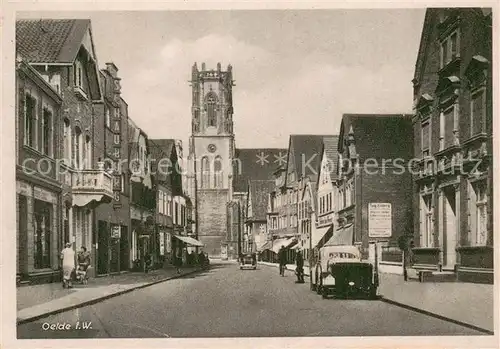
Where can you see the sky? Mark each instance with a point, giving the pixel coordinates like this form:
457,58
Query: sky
295,71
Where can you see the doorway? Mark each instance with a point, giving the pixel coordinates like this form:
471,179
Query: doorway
102,248
450,228
124,249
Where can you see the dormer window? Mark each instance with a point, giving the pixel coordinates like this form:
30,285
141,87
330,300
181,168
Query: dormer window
79,74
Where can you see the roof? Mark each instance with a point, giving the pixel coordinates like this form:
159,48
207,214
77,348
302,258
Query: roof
259,190
378,136
330,144
165,145
50,40
255,164
305,152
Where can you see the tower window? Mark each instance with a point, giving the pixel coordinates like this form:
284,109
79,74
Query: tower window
218,172
205,173
211,110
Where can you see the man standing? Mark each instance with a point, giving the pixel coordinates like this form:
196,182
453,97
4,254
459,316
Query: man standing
282,260
68,264
299,261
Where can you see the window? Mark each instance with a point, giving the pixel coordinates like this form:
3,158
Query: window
108,118
426,138
88,152
477,112
446,130
449,49
478,214
123,183
79,74
211,110
47,132
218,172
67,140
117,113
77,146
116,139
176,213
426,229
42,230
205,173
30,121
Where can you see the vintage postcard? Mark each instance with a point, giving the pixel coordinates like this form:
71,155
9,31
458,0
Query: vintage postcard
248,175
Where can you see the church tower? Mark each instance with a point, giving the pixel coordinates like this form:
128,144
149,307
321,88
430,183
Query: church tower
211,152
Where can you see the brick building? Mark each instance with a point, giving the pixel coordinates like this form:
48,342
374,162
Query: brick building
62,51
374,184
453,106
111,135
38,187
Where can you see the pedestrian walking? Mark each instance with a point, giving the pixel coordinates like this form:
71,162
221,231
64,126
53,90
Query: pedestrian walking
68,264
178,260
282,260
299,262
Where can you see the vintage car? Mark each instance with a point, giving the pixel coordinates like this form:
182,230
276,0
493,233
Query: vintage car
248,261
341,272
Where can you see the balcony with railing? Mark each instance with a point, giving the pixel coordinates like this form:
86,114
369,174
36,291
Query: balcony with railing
91,186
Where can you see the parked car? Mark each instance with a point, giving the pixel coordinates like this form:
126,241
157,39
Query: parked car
248,260
341,272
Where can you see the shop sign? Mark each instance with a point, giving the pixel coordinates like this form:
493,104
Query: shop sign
379,220
115,231
168,243
45,195
162,243
23,188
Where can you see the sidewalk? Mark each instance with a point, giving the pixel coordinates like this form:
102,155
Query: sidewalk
464,303
38,301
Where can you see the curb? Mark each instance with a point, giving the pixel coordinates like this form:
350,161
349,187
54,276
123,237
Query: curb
100,299
425,312
437,316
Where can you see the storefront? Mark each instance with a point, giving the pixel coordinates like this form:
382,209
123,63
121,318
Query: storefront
38,238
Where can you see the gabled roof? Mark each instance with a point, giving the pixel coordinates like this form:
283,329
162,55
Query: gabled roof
166,145
305,152
259,190
255,164
330,144
50,40
424,42
378,136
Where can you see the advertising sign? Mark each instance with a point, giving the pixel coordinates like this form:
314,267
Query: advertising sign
379,220
162,243
168,243
115,231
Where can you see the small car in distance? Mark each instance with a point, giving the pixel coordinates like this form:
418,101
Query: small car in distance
248,261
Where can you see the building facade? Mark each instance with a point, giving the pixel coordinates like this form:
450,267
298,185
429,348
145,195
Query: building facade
70,65
374,184
255,235
113,219
142,197
211,151
38,186
453,124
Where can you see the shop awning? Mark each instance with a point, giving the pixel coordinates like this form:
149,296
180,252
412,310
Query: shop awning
190,241
282,242
342,236
318,235
295,247
267,246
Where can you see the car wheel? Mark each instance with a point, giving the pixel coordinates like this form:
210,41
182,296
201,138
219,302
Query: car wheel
324,293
